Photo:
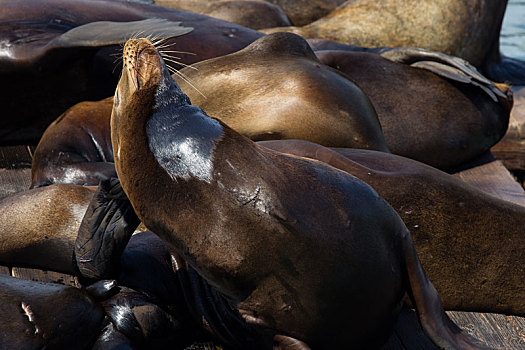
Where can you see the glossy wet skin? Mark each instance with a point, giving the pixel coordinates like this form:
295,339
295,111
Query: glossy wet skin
246,217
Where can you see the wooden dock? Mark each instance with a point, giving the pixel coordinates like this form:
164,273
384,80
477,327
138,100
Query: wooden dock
495,330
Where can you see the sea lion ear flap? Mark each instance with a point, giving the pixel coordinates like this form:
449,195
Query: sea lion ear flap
105,33
434,321
104,232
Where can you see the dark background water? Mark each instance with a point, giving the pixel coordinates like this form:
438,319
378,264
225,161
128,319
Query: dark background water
512,40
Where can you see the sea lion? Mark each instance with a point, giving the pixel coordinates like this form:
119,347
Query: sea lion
247,13
315,103
432,107
478,235
467,28
171,151
37,226
76,147
302,12
47,315
278,89
46,53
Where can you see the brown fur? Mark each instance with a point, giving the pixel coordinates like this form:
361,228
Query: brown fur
423,116
39,226
465,28
330,277
314,102
470,243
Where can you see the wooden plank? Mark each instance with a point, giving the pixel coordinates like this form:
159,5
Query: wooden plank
13,181
493,178
511,148
495,330
44,276
519,325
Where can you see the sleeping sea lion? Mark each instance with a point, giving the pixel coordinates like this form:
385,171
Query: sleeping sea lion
252,243
432,107
478,235
46,53
469,29
302,12
248,13
277,89
38,315
76,147
37,226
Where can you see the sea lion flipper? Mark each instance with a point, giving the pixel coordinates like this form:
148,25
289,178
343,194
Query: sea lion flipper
456,68
435,322
104,33
104,232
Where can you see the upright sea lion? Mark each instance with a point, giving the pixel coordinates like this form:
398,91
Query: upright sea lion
466,28
46,53
479,236
432,107
252,243
276,89
441,215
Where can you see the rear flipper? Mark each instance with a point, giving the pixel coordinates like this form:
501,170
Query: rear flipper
436,324
104,232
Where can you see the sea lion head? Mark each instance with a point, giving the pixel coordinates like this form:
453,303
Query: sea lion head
144,87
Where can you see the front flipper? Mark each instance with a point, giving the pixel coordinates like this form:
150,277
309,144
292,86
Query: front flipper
105,33
104,232
435,322
446,66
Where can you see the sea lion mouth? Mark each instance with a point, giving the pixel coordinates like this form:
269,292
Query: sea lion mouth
141,63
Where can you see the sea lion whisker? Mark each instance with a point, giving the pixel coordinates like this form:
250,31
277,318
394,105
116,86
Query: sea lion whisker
175,51
115,65
179,63
156,40
164,46
183,77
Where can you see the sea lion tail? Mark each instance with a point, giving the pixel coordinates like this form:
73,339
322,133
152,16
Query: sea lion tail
435,322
